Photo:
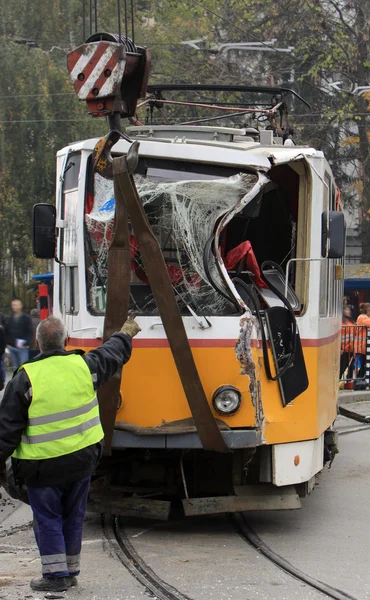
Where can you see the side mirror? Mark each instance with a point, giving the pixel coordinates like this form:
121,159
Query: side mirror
44,230
333,237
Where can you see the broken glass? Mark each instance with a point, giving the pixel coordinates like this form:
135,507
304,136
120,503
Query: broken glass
183,210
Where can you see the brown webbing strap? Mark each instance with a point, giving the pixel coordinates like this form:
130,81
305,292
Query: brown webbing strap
155,267
117,301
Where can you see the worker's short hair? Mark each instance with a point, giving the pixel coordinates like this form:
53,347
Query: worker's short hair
51,334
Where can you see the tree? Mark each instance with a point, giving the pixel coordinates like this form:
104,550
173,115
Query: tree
331,44
327,41
38,116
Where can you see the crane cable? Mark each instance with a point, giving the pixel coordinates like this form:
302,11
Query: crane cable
92,18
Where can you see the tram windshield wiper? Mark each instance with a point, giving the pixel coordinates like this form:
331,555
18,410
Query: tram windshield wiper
199,320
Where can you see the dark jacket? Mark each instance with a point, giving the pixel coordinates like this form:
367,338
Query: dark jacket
2,340
19,328
103,363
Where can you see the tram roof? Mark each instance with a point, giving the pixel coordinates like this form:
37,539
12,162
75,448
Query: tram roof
188,143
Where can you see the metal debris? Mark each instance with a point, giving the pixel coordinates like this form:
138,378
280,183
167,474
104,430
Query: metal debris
243,349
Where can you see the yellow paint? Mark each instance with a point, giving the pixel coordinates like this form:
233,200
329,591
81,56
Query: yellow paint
152,393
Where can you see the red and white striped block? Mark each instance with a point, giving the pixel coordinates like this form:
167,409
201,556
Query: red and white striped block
96,69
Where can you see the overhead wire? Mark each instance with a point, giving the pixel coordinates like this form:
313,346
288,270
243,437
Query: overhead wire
126,20
89,120
91,16
45,121
39,40
83,21
132,21
119,18
38,95
159,44
212,12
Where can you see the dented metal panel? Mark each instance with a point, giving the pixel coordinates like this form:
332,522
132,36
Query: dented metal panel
248,323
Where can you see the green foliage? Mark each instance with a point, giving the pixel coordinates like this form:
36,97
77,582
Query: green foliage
40,113
38,116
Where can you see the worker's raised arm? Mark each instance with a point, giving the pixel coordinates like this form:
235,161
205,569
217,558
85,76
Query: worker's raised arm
110,356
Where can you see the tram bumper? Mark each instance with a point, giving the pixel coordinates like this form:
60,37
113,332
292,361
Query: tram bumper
234,438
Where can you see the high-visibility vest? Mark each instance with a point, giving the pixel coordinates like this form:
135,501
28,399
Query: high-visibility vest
63,416
348,337
360,339
363,322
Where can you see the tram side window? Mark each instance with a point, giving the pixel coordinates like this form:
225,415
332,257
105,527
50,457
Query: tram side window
330,286
68,252
69,296
324,288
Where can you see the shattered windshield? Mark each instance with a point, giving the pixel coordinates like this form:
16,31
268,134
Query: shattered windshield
183,209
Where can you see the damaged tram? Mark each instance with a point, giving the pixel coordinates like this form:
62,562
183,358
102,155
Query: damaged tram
253,240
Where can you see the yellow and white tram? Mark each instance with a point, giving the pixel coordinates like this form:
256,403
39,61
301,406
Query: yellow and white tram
248,228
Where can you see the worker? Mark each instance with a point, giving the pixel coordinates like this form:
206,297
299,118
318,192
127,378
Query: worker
50,425
363,323
347,344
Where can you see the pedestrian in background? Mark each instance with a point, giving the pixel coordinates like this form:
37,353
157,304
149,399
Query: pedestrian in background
363,320
347,344
35,318
19,334
50,425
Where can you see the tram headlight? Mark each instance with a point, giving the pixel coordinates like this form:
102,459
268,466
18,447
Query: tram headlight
227,400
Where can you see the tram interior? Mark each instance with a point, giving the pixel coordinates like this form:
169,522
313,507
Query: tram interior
182,227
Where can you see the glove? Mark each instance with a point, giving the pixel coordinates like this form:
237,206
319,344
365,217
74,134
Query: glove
131,328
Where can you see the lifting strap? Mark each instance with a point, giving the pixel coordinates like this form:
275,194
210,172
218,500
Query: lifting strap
155,267
117,302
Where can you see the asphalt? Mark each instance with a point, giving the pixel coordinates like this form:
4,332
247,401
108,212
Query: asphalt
207,560
328,538
352,397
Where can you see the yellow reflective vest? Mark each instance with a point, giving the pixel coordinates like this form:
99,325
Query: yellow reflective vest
63,416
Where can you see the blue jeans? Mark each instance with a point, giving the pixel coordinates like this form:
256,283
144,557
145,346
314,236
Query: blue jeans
18,356
59,513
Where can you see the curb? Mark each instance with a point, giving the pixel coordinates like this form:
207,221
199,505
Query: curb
351,397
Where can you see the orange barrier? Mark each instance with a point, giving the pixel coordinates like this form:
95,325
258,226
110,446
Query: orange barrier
353,353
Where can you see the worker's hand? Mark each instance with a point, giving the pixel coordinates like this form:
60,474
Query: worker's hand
131,328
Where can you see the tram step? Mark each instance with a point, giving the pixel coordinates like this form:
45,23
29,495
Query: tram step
278,499
130,507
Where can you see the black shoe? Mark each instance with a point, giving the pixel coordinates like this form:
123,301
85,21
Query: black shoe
71,581
42,584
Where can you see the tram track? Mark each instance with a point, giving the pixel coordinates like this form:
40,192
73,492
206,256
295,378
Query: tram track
155,585
245,530
120,544
135,564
